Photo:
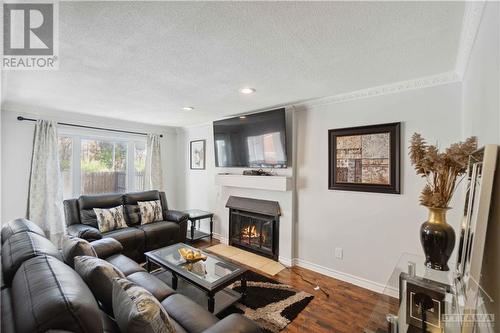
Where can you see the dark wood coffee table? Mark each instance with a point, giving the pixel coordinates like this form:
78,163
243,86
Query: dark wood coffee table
211,276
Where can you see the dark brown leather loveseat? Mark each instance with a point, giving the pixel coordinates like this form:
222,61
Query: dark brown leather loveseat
42,293
81,221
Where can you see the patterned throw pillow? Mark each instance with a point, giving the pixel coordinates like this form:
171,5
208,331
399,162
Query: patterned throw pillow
151,211
137,310
110,219
98,274
73,247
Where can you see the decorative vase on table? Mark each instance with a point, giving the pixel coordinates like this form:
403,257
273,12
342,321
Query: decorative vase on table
438,239
442,172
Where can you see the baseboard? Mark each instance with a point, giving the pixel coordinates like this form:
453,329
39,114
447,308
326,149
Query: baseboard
356,280
285,261
221,238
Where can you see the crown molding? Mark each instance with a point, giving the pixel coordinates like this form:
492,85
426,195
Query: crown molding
392,88
470,26
397,87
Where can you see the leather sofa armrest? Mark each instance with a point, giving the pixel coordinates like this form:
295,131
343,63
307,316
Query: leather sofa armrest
71,212
234,323
176,216
84,231
106,247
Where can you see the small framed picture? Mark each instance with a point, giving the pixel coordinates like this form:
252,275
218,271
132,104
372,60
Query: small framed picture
197,151
365,158
425,300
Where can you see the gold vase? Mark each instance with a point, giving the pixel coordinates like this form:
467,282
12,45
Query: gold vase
437,238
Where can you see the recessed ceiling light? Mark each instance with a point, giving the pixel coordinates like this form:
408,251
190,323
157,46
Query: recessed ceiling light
247,90
188,108
242,117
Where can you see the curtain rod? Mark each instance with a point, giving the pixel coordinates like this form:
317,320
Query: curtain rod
20,118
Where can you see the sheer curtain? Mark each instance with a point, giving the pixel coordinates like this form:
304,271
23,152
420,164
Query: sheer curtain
153,173
45,200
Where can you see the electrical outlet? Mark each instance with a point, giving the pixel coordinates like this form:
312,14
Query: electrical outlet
339,253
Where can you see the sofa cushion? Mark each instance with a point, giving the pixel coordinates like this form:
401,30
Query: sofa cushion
21,247
132,240
151,283
84,231
137,310
107,247
160,234
124,264
109,219
73,247
132,211
191,316
151,211
109,324
178,328
87,203
48,295
7,314
20,225
98,274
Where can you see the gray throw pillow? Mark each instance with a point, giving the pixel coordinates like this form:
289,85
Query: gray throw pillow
136,310
110,219
98,274
151,211
73,247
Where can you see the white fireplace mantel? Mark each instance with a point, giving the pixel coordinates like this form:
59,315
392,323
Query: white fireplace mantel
270,183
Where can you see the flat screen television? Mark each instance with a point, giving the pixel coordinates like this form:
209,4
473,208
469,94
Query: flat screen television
254,141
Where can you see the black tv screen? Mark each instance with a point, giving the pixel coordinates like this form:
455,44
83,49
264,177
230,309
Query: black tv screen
256,141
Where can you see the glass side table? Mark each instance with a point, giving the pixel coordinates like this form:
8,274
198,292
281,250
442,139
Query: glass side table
195,216
414,289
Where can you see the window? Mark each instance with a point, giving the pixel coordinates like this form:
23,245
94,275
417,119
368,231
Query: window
65,158
139,165
103,167
92,165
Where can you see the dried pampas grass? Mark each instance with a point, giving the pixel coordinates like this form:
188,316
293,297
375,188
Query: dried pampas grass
440,169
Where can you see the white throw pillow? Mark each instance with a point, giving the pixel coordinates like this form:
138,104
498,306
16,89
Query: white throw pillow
151,211
110,219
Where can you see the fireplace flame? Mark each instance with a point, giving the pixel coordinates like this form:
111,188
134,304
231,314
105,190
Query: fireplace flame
250,232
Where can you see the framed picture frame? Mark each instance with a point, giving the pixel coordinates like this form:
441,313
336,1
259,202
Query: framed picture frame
365,158
424,295
197,155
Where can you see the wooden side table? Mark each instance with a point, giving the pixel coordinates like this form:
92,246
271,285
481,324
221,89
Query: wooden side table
196,215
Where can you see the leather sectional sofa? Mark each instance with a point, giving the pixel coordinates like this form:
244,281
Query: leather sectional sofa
81,222
41,293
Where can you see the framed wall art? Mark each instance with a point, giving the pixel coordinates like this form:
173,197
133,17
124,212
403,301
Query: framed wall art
197,152
365,158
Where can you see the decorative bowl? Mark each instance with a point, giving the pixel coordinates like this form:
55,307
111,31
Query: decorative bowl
191,255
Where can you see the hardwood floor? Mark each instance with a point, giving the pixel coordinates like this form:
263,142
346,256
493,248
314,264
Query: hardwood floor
347,309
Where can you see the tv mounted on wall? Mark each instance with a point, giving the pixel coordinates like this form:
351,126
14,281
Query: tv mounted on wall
254,141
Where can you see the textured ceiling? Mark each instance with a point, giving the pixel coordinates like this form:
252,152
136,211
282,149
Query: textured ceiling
144,61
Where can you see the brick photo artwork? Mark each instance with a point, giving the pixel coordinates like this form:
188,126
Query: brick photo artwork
364,159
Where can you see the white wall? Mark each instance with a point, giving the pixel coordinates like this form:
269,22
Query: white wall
17,145
373,229
481,83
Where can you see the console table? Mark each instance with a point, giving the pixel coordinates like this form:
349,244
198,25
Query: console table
393,311
196,215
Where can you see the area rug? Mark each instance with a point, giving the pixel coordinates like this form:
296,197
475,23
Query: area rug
271,304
